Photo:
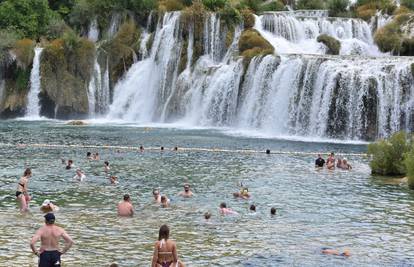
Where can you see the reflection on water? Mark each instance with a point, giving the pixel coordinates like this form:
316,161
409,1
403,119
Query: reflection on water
315,208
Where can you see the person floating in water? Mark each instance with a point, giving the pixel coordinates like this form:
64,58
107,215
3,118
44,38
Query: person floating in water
106,166
48,207
49,235
244,193
22,193
165,250
226,211
157,196
187,191
329,251
125,208
319,162
70,164
141,148
80,176
330,162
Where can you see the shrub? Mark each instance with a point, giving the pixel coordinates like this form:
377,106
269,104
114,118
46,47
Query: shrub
272,6
7,40
56,28
214,5
365,9
24,52
408,3
251,4
170,5
388,155
252,44
310,4
230,15
337,7
409,165
334,46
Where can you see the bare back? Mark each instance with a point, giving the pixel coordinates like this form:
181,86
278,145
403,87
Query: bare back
49,237
167,251
22,184
125,208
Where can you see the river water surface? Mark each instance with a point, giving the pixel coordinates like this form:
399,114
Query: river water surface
371,216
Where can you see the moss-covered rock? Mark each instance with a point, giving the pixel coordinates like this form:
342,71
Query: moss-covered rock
248,18
66,68
76,123
252,44
333,45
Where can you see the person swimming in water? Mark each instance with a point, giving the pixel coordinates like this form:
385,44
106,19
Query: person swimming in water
96,156
22,193
48,207
157,196
141,148
226,211
207,216
244,193
165,202
187,191
89,155
106,166
165,250
125,208
319,162
346,165
70,164
252,208
273,211
329,251
113,179
80,176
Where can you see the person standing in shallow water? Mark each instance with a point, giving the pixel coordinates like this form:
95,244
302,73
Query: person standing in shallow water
125,208
165,250
22,193
49,235
319,162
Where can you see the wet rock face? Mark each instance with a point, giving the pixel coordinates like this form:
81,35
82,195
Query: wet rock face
65,74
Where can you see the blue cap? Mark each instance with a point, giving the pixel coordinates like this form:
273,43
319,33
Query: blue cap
50,218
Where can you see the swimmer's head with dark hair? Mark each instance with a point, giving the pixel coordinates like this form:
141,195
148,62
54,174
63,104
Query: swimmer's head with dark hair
106,163
164,232
273,211
207,215
27,172
252,207
127,197
223,205
88,154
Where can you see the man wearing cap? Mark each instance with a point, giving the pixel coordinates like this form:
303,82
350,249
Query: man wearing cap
49,235
187,192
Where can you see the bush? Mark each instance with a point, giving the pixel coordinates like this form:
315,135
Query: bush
230,15
56,28
334,46
251,4
7,40
408,3
272,6
214,5
24,50
310,4
365,9
409,165
337,7
388,155
170,5
252,44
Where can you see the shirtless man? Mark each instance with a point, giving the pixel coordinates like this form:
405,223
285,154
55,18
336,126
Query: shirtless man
187,192
49,235
226,211
125,208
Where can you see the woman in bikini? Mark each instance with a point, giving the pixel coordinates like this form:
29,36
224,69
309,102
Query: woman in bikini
22,194
165,251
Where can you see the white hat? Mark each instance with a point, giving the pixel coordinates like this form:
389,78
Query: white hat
46,202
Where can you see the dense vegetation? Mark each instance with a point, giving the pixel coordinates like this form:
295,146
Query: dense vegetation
393,157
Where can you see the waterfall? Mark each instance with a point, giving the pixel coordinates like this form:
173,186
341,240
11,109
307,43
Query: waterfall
213,37
93,32
98,90
113,26
33,105
1,91
145,37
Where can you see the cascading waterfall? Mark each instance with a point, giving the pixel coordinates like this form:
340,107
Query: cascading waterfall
33,105
93,32
98,90
1,91
346,97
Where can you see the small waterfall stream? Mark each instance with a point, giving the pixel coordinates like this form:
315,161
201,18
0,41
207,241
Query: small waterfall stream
33,105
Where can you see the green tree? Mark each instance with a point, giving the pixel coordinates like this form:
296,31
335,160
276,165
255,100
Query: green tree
408,3
338,7
310,4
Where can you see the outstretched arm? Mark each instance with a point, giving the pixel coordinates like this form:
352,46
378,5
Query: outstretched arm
68,242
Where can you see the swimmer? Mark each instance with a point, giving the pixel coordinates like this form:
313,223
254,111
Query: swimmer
165,250
157,196
207,216
80,175
319,162
141,148
96,156
70,164
63,160
22,193
187,192
244,193
268,151
165,202
226,211
49,235
175,148
330,162
328,251
125,208
114,265
346,165
113,179
252,208
48,207
89,155
106,166
273,211
339,163
162,149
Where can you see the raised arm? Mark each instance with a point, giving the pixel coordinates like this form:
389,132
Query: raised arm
155,256
68,242
35,238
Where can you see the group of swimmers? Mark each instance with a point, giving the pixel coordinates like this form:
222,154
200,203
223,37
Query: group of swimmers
165,251
330,162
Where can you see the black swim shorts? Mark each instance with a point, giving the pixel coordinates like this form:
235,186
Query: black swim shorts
50,259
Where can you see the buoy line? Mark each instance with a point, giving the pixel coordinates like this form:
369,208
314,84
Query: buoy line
183,149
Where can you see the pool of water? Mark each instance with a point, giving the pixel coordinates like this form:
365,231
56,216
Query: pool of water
339,209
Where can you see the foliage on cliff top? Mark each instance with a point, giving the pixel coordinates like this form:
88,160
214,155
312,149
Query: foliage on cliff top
310,4
252,44
7,41
365,9
333,45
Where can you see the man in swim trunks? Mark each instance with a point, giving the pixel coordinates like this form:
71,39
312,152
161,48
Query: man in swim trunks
244,193
125,208
319,162
187,192
49,235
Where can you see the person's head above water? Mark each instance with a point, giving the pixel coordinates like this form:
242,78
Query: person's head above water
164,232
79,172
244,191
88,154
273,211
163,199
155,192
50,218
207,215
252,207
106,163
267,151
186,187
27,172
332,154
70,162
127,197
223,205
